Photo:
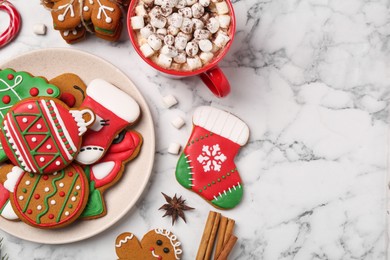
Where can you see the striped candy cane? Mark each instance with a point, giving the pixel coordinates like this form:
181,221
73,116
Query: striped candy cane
14,24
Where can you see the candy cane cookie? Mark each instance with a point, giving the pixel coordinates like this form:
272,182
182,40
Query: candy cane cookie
14,25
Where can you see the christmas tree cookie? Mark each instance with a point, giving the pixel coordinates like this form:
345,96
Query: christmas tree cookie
206,165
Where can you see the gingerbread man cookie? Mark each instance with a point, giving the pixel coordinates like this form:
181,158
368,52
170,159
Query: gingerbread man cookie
73,89
158,244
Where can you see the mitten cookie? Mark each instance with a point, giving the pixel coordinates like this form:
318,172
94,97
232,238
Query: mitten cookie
73,89
74,35
206,165
42,135
109,170
158,243
46,201
114,111
106,17
66,14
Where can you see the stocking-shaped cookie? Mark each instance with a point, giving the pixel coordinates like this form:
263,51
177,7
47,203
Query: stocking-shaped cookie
206,165
158,244
114,111
109,170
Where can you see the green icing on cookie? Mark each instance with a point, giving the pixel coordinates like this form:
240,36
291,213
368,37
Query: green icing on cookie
230,199
95,204
183,171
104,30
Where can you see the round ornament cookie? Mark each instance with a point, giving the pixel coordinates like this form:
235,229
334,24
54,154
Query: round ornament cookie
158,244
48,201
42,135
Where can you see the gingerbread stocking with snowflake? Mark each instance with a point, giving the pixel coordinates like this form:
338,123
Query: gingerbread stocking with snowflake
206,165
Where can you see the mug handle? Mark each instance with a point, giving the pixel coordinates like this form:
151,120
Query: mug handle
216,81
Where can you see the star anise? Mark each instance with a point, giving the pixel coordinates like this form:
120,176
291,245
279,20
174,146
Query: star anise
175,207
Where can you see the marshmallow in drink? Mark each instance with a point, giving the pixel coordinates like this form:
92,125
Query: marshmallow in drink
165,11
146,31
198,24
191,2
161,33
168,3
169,51
175,20
169,40
158,21
197,10
173,30
155,42
192,49
164,61
222,39
186,12
202,34
224,21
194,63
205,57
205,45
180,42
146,50
155,11
222,7
181,4
137,22
181,57
140,10
213,25
204,3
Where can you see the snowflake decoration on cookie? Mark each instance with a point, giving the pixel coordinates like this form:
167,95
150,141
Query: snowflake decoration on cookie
211,158
103,9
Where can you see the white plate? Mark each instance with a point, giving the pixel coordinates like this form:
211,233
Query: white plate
121,197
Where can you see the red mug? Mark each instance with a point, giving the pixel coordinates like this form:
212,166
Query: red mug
210,74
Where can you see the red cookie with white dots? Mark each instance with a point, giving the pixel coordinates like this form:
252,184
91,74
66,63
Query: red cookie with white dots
46,201
42,135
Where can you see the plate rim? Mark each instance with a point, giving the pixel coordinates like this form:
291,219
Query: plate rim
148,170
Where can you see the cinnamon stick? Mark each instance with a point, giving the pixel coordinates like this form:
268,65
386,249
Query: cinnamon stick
210,245
229,229
227,248
206,235
221,236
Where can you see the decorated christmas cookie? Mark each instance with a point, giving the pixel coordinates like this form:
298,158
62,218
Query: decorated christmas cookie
73,89
46,201
42,135
109,170
114,111
158,244
206,165
66,14
6,210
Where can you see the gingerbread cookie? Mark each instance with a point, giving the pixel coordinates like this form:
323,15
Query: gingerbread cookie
114,109
206,165
6,210
73,89
66,14
158,243
42,135
46,201
109,170
74,35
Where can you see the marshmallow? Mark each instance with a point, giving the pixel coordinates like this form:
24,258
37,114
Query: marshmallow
169,39
204,3
213,25
181,4
194,63
161,33
146,31
198,24
169,51
222,7
157,2
169,101
155,11
175,66
205,57
186,35
140,10
186,12
158,21
174,148
178,122
168,3
137,22
165,11
146,50
155,42
181,57
191,2
224,21
175,20
201,34
180,42
173,30
197,10
39,29
164,61
187,26
205,45
222,39
192,49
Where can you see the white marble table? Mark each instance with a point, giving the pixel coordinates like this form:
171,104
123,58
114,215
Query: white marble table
311,79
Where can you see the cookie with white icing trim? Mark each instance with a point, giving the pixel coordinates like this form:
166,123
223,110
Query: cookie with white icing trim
106,17
158,243
42,135
46,201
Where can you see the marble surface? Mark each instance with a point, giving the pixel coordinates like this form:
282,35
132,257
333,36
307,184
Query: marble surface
311,79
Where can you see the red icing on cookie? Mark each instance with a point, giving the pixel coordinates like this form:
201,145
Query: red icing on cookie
34,92
68,99
6,99
10,76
